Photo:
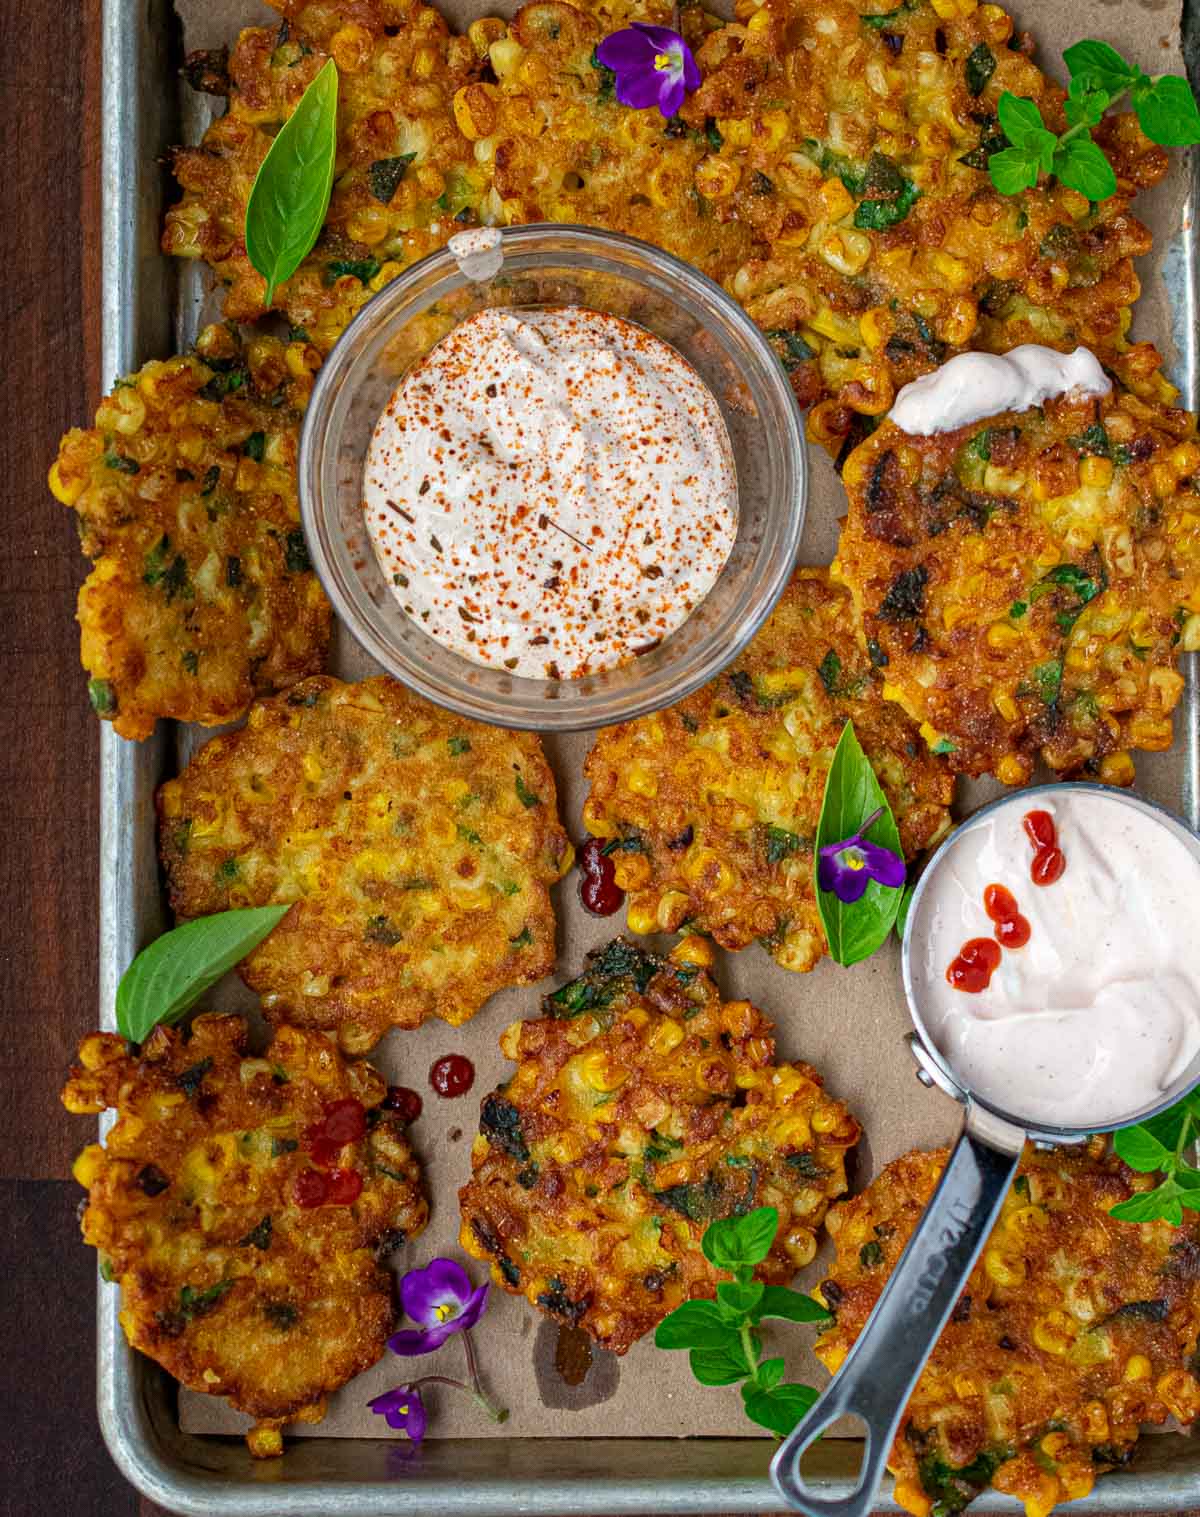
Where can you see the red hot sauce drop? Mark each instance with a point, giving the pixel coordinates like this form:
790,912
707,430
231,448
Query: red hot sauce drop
977,961
403,1102
452,1075
1012,929
598,888
1048,858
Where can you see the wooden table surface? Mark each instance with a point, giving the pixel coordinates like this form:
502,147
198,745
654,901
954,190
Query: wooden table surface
49,303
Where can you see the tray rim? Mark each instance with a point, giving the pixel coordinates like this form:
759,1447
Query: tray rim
213,1477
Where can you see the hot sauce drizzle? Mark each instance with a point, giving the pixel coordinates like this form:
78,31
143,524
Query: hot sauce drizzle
977,961
452,1075
598,888
1012,929
1048,858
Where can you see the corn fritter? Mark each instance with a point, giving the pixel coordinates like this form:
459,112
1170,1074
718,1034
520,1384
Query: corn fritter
202,595
228,1280
1031,579
711,806
418,848
1073,1331
642,1108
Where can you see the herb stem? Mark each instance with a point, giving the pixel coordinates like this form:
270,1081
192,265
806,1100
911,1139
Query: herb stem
496,1413
749,1351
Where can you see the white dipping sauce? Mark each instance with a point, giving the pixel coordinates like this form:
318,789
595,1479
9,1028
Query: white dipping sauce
972,386
551,492
1099,1013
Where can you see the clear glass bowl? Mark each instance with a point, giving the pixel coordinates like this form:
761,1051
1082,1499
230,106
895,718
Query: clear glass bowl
556,266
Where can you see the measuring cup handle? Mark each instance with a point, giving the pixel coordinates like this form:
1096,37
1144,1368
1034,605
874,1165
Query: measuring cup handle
883,1367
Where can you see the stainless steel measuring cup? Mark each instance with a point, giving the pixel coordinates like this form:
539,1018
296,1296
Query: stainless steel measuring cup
881,1370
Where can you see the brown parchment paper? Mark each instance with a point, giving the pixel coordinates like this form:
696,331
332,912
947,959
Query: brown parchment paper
849,1023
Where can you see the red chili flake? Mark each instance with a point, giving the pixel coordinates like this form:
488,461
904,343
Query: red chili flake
403,1102
452,1075
345,1187
345,1120
311,1188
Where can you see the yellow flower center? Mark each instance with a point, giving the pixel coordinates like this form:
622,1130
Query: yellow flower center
444,1312
404,1410
853,860
663,61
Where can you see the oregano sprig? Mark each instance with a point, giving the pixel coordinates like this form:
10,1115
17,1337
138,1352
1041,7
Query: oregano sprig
724,1346
1100,78
1158,1147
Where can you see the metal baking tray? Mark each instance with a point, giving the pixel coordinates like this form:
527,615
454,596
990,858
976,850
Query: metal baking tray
328,1477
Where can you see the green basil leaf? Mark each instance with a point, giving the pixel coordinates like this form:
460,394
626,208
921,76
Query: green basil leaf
1082,166
733,1242
855,930
1168,1126
1012,170
768,1375
1151,1206
738,1298
979,68
1167,112
291,190
1103,63
780,1408
1141,1150
1020,120
719,1366
902,911
789,1306
167,979
695,1324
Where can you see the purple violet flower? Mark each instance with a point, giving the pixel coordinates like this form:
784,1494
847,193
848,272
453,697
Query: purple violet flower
847,867
404,1410
440,1299
653,65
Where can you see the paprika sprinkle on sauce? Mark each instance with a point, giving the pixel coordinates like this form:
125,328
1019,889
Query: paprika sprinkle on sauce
551,492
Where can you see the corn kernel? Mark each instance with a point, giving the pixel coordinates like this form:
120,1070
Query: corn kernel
1097,472
1003,1269
716,178
66,492
1076,1483
641,919
600,1074
1117,769
1012,770
912,1498
1055,1333
836,200
476,110
86,1168
695,949
1138,1368
666,1036
631,871
1054,1444
1042,1503
1002,636
1006,706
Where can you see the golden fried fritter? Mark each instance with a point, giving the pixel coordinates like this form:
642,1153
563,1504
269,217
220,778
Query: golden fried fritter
1073,1331
712,805
405,180
202,595
417,846
641,1109
1030,580
206,1206
855,147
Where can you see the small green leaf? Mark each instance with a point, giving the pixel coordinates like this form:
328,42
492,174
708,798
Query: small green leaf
1020,120
738,1299
103,697
902,913
789,1306
1082,166
980,66
1012,170
731,1242
1102,63
719,1366
255,446
1167,112
1152,1205
879,215
768,1374
291,190
695,1324
167,979
1141,1150
458,745
856,929
1086,101
524,794
780,1408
